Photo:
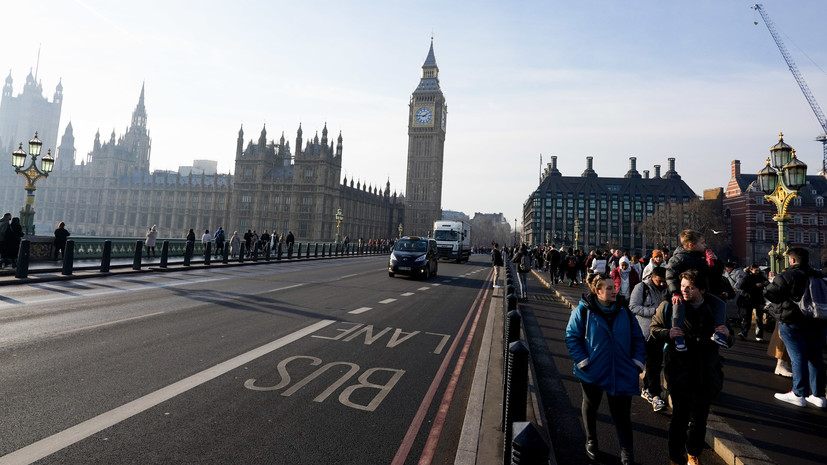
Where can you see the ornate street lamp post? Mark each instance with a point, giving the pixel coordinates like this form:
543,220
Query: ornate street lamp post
32,174
339,218
400,230
781,180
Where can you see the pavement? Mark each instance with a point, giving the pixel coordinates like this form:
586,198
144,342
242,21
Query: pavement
747,425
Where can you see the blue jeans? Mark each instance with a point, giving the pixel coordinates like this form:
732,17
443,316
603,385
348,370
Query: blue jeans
523,290
805,345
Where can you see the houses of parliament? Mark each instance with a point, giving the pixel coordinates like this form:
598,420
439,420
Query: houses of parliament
113,193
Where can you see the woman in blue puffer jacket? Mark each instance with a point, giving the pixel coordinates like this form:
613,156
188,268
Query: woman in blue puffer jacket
608,350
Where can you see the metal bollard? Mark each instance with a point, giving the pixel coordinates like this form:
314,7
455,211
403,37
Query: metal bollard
290,251
164,254
267,252
225,253
136,260
307,253
528,446
207,252
278,251
69,258
255,252
22,270
106,257
511,334
241,252
516,391
316,250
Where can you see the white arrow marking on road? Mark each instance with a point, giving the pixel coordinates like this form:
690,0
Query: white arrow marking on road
77,433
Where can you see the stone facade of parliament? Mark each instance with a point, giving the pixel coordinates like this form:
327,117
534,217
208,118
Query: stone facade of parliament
113,193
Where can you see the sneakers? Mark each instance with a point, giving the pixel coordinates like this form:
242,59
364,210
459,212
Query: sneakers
658,404
818,402
680,344
791,398
592,450
647,395
742,336
719,339
783,368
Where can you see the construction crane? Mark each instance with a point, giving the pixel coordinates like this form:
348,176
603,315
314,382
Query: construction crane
801,83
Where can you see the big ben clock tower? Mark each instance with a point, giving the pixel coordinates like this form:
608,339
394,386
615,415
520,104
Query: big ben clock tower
426,142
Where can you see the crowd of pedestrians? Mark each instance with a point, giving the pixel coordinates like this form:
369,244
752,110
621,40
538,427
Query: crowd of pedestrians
667,318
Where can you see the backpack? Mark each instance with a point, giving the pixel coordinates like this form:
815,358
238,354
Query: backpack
572,261
813,303
526,263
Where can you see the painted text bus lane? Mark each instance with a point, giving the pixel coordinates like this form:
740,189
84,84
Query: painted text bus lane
358,388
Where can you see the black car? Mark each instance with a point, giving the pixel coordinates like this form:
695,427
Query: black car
414,256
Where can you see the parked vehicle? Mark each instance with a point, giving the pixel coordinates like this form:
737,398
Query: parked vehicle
414,256
453,238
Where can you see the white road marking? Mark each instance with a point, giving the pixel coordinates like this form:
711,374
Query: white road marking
50,445
408,294
436,284
423,288
360,310
108,323
387,301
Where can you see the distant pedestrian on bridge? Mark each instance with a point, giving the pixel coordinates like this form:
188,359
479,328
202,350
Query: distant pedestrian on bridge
608,350
497,262
5,223
151,237
13,240
60,239
235,244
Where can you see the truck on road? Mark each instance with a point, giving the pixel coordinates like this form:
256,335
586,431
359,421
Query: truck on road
453,239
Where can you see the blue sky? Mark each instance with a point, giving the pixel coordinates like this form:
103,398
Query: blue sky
698,81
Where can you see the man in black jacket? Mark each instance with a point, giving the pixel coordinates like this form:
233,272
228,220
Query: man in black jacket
803,337
752,297
694,376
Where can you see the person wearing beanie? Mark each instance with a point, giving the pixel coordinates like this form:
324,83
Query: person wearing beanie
655,262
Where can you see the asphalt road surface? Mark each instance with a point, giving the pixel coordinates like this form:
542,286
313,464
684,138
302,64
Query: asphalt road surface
311,362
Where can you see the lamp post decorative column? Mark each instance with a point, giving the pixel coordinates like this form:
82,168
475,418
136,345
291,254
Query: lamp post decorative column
515,233
339,218
32,174
400,230
780,180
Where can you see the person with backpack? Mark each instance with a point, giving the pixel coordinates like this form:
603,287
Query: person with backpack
608,350
497,263
553,258
220,239
523,260
571,267
803,334
644,302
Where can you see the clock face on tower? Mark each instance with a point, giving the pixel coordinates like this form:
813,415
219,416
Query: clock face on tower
424,115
